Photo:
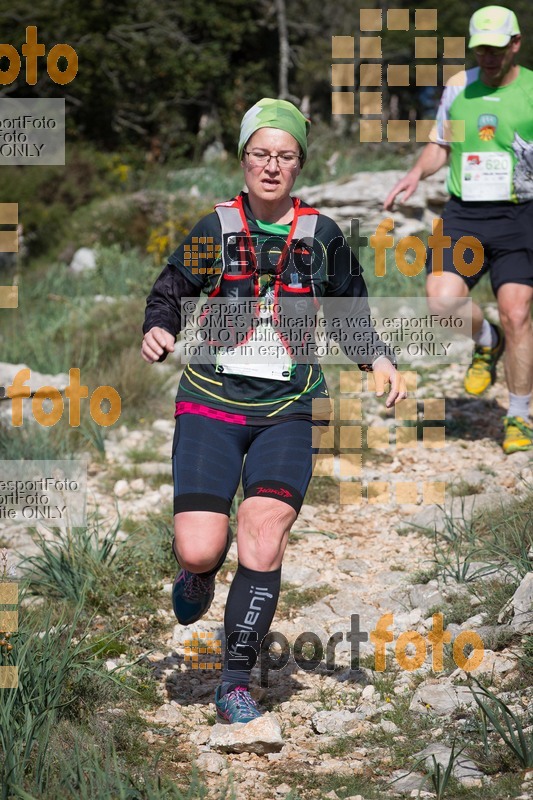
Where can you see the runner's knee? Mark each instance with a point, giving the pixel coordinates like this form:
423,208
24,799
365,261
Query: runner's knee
265,520
444,306
515,316
199,540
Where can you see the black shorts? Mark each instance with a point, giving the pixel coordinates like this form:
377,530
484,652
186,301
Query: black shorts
505,232
208,455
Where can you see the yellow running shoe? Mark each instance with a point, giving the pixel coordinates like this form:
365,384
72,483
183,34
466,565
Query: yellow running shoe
518,435
482,371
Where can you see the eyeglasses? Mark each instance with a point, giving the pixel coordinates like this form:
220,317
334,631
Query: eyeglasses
260,158
487,49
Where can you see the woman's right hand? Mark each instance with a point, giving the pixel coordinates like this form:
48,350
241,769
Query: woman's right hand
156,342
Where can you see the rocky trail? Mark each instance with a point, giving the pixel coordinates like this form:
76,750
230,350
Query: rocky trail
331,730
364,556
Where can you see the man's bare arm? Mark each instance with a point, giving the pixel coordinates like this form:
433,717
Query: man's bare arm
432,158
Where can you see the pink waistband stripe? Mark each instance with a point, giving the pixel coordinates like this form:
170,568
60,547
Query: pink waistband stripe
184,407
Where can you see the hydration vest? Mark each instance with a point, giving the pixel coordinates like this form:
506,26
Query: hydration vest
288,295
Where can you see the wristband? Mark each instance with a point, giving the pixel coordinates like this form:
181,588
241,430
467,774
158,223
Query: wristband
370,367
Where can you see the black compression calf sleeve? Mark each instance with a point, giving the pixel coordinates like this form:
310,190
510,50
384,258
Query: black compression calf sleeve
250,609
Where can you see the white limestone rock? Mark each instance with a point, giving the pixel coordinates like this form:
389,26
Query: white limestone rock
523,605
260,736
441,698
83,260
211,762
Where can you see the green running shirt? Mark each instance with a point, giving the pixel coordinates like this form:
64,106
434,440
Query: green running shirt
495,160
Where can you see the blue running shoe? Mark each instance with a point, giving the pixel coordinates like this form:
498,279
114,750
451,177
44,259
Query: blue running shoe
193,594
237,705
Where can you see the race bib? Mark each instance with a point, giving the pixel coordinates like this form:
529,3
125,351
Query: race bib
486,176
262,356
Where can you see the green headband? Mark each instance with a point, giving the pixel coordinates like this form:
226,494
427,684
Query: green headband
281,114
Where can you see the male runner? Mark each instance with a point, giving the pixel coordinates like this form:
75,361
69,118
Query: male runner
491,185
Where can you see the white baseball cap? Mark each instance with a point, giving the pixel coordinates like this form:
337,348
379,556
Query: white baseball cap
493,26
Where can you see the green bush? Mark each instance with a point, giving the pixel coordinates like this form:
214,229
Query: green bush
47,196
67,327
46,656
152,221
73,561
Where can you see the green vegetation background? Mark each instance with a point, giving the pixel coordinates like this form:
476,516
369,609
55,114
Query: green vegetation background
157,84
148,72
160,82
